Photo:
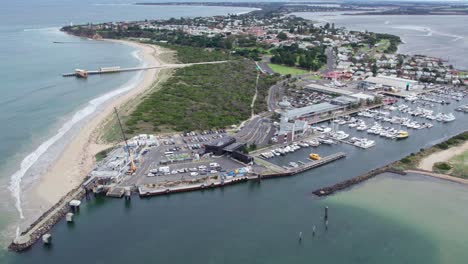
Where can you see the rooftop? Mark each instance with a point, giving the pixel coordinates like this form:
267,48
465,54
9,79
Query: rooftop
328,90
310,109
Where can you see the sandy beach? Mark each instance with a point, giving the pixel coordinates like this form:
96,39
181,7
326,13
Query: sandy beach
78,157
441,156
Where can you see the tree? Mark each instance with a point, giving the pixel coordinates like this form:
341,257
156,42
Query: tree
282,36
374,69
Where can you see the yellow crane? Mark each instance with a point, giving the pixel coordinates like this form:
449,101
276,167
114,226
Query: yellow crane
132,168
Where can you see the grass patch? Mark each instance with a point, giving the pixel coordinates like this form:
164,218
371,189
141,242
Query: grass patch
459,165
382,45
284,70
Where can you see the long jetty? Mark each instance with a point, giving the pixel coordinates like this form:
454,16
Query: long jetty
118,69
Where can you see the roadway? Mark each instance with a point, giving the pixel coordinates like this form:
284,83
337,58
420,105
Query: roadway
330,60
257,130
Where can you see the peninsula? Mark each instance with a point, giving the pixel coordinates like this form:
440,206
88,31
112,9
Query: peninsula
251,90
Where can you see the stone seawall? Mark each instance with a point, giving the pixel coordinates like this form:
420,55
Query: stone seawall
356,180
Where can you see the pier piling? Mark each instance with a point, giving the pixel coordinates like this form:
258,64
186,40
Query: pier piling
128,194
326,213
47,238
313,231
69,217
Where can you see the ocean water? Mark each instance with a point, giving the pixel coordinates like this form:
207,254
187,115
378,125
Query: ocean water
389,219
39,109
439,36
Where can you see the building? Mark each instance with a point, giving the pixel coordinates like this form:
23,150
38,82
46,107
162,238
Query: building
217,147
326,90
228,146
310,111
388,83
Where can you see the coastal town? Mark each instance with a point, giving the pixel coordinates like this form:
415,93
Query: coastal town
329,92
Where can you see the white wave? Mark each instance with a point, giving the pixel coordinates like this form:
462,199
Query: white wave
428,30
387,22
111,4
80,115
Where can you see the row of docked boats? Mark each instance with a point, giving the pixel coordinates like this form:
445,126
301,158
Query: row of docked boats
290,148
387,132
426,113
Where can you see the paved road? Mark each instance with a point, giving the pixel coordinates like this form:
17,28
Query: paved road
275,95
258,130
264,67
330,60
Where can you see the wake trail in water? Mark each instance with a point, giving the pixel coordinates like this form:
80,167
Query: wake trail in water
80,115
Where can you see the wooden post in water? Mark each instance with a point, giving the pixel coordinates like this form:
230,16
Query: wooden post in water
313,231
128,194
326,213
69,217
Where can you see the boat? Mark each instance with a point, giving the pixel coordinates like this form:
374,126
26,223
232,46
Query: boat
314,156
293,164
402,134
448,118
364,143
314,143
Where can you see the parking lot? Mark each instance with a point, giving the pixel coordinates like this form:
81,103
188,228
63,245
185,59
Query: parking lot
176,159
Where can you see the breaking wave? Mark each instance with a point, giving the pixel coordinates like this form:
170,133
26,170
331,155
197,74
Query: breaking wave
80,115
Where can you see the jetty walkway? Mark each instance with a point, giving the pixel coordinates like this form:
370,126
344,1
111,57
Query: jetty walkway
117,69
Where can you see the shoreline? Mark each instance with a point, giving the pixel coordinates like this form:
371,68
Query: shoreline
77,159
428,162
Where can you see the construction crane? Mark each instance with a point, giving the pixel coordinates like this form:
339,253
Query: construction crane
132,168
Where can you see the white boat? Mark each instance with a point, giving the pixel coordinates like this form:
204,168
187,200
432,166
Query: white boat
448,118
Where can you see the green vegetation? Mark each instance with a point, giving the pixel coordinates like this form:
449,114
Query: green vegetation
102,154
284,70
202,97
441,166
391,47
383,45
310,59
185,54
459,165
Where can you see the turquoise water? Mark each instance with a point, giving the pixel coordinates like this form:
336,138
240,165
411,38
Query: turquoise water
39,109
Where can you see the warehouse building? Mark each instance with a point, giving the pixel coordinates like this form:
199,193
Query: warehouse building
310,111
388,83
